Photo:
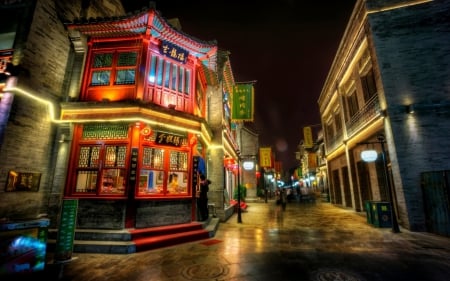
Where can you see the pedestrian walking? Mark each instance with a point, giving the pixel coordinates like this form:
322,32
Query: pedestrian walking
278,196
283,198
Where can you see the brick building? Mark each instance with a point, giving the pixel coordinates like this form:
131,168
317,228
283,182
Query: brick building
118,111
388,88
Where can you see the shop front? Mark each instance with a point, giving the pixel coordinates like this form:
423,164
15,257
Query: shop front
131,175
138,124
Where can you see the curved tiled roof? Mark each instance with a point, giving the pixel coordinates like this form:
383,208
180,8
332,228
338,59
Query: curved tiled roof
147,22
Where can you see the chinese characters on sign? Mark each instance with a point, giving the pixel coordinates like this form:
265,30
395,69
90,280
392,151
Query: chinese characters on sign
242,108
66,230
134,164
174,52
169,139
265,157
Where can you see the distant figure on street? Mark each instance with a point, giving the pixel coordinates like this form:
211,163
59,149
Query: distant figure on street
278,196
283,198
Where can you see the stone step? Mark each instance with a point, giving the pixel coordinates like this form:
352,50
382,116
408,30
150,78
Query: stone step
135,240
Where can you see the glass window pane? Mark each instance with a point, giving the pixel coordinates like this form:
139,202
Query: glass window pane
159,74
100,78
150,181
187,82
102,60
151,75
177,183
166,74
153,158
127,59
89,156
174,77
125,77
180,79
86,181
178,160
115,156
113,181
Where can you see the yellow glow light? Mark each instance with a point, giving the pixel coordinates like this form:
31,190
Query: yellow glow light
16,90
202,131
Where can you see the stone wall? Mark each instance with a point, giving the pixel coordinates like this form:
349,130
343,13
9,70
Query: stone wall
413,55
101,214
158,213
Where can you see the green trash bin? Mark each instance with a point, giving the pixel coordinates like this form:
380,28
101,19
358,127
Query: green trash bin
381,214
368,208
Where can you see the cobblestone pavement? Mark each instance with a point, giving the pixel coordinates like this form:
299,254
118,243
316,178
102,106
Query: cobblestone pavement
307,241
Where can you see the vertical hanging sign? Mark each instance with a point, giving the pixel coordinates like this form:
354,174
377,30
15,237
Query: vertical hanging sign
66,230
195,175
307,136
242,102
265,157
133,166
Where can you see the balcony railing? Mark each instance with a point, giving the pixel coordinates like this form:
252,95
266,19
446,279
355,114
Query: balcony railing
367,113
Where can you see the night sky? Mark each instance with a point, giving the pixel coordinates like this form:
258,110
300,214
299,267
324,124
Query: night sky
287,46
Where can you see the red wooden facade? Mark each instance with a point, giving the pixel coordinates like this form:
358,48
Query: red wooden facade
139,119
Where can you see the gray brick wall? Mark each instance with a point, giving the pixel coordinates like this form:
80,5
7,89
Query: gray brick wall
414,59
29,136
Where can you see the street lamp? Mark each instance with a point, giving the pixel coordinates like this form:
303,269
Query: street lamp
381,140
239,216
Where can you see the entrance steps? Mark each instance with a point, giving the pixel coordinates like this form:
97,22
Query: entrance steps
129,241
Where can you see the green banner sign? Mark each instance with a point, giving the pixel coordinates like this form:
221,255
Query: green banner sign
66,230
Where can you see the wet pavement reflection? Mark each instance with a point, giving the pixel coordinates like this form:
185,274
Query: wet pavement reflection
307,241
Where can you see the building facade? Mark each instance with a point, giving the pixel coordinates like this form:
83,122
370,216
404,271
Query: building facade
388,91
121,112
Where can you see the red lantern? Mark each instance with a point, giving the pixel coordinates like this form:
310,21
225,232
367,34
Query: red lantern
228,162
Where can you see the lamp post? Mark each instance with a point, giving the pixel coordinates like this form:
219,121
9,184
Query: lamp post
381,140
239,216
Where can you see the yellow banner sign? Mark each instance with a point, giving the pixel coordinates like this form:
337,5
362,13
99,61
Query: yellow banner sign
307,137
265,157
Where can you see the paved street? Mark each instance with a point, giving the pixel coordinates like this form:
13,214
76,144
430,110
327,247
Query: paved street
307,241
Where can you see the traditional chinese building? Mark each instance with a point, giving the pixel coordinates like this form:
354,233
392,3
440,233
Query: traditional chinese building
121,113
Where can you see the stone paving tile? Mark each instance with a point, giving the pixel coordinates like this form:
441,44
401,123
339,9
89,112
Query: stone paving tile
307,241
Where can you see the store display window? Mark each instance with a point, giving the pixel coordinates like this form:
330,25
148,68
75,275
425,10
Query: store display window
163,172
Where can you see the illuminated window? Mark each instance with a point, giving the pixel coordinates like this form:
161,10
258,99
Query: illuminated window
112,173
172,79
163,172
119,67
101,169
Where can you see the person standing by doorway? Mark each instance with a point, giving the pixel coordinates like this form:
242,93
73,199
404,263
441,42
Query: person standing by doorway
203,197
